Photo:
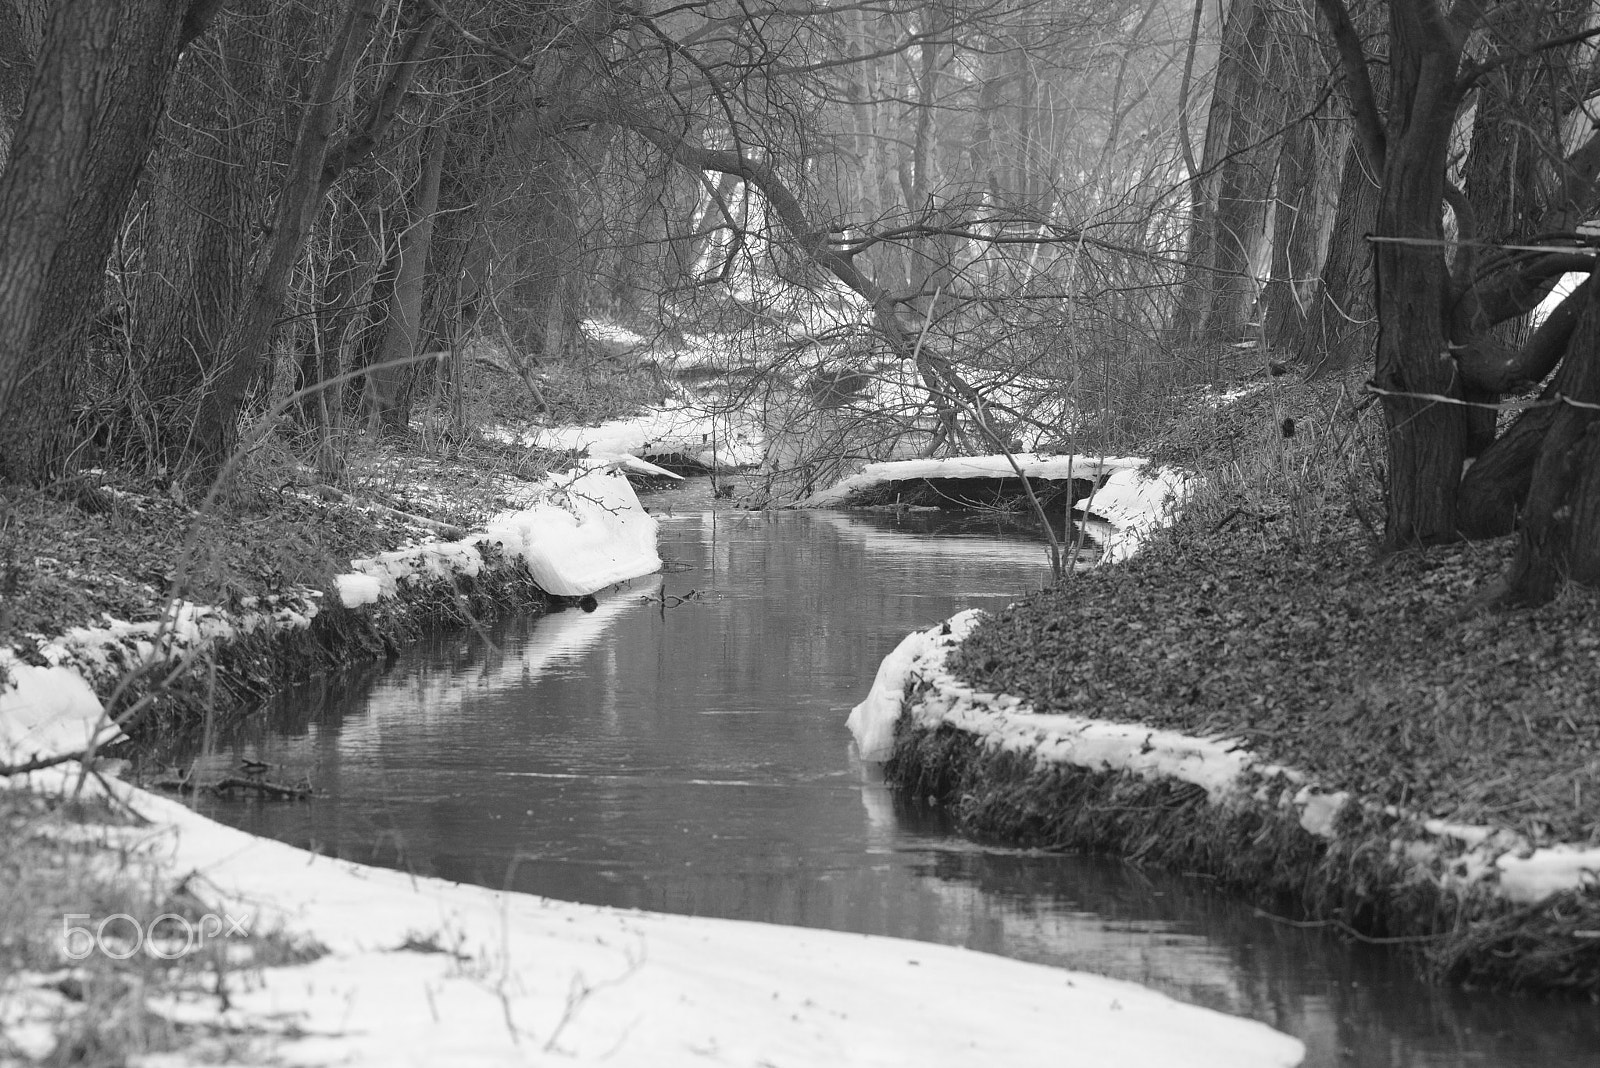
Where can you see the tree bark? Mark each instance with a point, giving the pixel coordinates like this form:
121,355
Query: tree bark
1427,439
80,143
1342,323
21,31
1232,193
388,380
1560,536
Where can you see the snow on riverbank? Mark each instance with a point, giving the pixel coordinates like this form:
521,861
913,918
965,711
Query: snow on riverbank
425,972
585,532
718,442
1496,859
1128,500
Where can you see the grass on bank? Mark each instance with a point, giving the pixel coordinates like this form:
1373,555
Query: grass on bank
1267,614
62,860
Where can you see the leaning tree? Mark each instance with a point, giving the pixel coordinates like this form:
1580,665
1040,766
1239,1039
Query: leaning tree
1443,369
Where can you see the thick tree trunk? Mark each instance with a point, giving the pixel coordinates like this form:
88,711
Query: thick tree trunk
21,31
1427,439
1303,211
1561,528
1304,187
79,146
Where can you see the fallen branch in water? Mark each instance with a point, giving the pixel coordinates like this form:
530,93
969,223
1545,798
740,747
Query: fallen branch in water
276,791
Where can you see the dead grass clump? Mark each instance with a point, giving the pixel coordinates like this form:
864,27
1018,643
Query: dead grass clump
1552,945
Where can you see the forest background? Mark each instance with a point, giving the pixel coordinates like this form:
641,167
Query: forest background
230,227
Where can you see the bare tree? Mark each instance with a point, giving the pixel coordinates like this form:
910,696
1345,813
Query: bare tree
79,145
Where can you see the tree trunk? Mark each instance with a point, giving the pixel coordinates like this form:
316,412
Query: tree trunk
388,380
21,30
1342,323
1427,440
1232,193
1303,211
79,146
205,188
1561,528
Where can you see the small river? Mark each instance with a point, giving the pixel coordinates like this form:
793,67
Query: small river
682,748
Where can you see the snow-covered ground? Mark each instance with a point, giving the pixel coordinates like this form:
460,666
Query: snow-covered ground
1494,858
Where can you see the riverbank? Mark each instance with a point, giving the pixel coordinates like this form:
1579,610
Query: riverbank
1354,738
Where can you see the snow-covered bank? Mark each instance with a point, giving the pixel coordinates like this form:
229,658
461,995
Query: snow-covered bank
421,971
584,531
913,681
1129,501
587,533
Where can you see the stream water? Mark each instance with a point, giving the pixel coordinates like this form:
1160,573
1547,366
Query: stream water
682,748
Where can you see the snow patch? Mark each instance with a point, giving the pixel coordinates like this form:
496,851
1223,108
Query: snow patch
994,466
356,589
1528,880
1318,810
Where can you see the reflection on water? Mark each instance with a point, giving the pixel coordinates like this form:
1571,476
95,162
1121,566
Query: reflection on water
683,748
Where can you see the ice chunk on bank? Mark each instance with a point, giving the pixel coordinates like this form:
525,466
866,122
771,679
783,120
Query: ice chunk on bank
872,721
46,712
1134,504
588,532
598,535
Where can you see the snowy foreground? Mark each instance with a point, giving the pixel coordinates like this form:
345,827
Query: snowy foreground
420,971
1495,858
425,972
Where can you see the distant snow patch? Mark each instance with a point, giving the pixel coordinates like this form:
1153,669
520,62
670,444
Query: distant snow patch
1130,501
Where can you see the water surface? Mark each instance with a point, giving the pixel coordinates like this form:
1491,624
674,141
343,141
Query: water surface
682,748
